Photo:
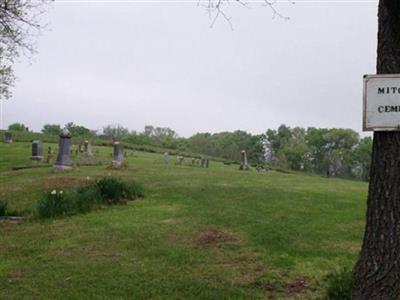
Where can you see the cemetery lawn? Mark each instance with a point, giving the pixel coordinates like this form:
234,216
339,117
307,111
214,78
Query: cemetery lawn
215,233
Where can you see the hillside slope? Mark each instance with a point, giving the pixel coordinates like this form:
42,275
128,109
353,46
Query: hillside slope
212,233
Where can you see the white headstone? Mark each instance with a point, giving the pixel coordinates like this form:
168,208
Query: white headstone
243,161
118,154
166,157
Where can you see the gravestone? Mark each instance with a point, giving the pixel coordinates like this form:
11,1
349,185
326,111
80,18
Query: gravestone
193,161
64,161
118,155
244,166
179,159
166,157
207,162
37,150
203,162
8,137
87,149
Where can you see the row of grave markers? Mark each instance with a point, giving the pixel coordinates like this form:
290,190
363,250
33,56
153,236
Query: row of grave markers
203,162
64,161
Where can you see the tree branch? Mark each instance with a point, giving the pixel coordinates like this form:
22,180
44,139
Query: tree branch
217,9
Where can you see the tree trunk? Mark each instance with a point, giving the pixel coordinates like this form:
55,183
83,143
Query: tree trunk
377,272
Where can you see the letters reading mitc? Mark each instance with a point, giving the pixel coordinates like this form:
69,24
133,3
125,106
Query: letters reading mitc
388,90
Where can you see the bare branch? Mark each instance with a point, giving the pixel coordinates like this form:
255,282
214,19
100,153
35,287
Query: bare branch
217,9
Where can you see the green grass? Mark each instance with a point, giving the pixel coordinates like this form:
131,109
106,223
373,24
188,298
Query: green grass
214,233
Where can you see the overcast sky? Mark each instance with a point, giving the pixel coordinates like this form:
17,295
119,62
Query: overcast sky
158,62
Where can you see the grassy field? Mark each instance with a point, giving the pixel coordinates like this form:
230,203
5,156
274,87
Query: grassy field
214,233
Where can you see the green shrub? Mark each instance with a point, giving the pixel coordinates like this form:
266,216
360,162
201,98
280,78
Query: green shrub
86,198
115,191
3,208
108,190
112,190
54,204
340,285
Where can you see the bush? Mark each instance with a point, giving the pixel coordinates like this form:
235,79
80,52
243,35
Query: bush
108,190
115,191
54,204
86,198
112,190
3,208
340,285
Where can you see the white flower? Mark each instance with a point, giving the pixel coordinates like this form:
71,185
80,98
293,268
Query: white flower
53,192
61,192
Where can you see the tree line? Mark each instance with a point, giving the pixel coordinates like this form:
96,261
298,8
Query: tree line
329,152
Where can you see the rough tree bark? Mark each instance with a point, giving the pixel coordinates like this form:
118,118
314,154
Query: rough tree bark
377,273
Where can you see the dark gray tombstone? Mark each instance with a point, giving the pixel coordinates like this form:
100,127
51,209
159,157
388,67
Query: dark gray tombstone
193,161
118,154
244,166
87,149
8,137
166,157
207,162
203,162
37,150
64,161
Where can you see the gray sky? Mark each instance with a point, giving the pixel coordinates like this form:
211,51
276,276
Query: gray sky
159,63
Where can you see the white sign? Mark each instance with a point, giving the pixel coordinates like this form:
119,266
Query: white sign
381,102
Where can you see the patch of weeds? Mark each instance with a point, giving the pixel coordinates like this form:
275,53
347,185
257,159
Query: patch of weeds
340,285
87,198
115,191
108,190
54,204
112,190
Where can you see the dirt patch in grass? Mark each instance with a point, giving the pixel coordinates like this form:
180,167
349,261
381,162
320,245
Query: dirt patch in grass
277,288
215,237
63,182
297,286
